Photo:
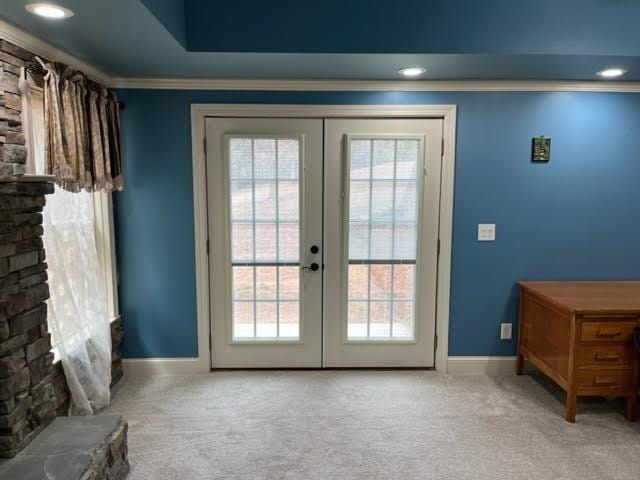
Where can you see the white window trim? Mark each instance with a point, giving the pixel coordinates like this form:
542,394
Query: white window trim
106,246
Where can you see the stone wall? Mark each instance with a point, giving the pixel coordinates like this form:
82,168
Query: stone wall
13,153
117,335
32,388
27,398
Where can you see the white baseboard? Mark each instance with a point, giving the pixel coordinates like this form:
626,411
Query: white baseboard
481,365
163,366
179,366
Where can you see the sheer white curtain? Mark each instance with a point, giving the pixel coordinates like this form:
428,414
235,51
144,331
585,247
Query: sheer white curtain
78,315
78,318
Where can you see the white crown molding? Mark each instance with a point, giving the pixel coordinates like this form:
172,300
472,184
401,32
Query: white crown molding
29,42
376,85
43,49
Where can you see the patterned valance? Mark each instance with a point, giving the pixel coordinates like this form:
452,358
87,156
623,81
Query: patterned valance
82,131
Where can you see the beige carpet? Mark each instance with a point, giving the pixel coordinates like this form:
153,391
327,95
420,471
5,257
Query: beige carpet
368,425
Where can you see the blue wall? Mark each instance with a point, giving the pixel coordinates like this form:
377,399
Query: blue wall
577,217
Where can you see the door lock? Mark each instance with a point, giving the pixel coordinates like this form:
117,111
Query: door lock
314,249
314,267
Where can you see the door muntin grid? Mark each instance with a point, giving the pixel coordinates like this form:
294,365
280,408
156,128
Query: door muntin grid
383,191
265,198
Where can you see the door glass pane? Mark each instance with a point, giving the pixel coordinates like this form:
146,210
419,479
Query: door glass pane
264,203
382,238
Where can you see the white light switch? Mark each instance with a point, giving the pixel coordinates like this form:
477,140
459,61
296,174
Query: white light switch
505,331
486,232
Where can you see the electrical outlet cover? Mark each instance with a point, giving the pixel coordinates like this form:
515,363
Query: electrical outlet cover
505,331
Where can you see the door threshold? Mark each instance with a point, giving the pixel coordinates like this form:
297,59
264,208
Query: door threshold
319,369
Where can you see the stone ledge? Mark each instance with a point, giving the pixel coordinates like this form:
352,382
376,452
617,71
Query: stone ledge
26,186
74,448
28,179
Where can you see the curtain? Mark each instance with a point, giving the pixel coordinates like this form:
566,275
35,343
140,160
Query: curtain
82,131
77,308
78,319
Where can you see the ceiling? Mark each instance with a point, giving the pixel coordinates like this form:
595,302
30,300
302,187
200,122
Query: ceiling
345,39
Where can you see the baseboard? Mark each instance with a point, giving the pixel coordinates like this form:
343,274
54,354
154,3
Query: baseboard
481,365
163,366
177,366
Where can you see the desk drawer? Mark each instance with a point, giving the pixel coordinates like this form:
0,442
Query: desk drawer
604,356
603,381
618,331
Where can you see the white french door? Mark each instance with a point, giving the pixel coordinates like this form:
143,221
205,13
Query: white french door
323,241
383,177
264,186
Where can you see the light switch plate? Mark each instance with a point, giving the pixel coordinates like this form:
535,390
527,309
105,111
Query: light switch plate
486,232
505,331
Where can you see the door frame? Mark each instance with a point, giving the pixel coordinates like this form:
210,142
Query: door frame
199,113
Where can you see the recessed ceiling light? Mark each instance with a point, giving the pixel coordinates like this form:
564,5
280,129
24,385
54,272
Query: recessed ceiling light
411,71
612,72
49,10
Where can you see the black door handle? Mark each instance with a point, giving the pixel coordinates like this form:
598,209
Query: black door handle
314,267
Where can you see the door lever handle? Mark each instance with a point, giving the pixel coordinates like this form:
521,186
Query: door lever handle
314,267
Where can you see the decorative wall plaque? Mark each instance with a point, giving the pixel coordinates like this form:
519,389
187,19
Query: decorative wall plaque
540,149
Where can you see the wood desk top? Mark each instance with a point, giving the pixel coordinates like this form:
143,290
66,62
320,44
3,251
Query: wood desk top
589,297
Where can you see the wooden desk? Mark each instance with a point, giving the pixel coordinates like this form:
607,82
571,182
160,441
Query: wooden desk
580,335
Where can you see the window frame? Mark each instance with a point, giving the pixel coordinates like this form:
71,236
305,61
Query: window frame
346,188
300,138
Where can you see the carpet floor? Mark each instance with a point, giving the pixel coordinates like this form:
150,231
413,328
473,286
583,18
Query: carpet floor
369,425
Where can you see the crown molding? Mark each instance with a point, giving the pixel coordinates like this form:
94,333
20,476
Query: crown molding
377,85
43,49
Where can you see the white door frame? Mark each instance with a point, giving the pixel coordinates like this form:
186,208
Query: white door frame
199,112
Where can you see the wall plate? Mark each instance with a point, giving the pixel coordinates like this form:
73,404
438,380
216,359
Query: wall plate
486,232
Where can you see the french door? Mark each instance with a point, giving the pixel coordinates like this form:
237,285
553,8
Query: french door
382,181
323,241
264,188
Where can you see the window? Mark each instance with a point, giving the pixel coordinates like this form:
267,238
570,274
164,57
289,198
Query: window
382,218
264,179
70,220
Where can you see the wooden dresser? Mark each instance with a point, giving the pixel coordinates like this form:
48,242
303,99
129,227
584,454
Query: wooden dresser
580,334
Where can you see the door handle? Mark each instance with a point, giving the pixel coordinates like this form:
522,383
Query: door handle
314,267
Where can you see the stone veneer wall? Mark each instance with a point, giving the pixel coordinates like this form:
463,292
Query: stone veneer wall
27,376
13,153
27,395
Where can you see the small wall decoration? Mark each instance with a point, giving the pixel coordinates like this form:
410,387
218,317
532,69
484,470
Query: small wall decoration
540,149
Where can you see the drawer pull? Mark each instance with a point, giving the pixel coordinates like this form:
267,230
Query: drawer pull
607,357
602,381
608,333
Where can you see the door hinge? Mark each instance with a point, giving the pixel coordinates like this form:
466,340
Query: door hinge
438,248
204,145
435,342
443,147
207,246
